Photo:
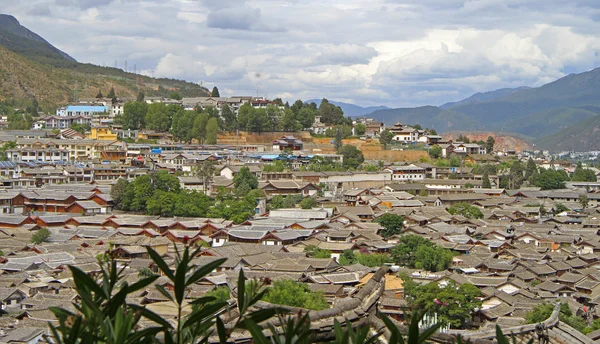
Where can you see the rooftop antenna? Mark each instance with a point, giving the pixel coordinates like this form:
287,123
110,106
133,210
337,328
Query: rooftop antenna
125,66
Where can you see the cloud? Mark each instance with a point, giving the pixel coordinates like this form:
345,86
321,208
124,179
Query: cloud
395,52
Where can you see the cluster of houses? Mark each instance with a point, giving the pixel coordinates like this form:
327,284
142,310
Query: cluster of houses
525,250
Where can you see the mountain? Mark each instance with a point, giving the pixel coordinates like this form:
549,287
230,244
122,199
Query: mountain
484,96
350,110
21,40
582,136
31,68
533,112
428,117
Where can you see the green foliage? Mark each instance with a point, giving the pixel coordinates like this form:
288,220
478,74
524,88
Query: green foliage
40,236
330,114
435,152
212,129
489,144
551,179
142,273
245,181
117,192
353,157
81,128
205,171
295,294
348,257
134,115
584,201
157,117
453,303
386,137
583,174
466,210
308,203
373,260
392,224
175,95
220,294
360,129
485,181
215,92
6,146
276,166
315,252
417,252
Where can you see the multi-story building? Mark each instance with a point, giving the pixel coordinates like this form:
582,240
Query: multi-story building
63,122
406,133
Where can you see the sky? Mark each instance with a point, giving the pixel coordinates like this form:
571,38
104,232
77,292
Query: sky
397,53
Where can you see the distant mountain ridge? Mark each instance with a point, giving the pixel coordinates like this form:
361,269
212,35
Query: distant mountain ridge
21,40
350,110
30,67
533,112
582,136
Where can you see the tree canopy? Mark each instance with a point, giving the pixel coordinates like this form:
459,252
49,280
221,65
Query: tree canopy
417,252
466,210
295,294
392,224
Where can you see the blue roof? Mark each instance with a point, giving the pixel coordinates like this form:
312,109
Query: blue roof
86,108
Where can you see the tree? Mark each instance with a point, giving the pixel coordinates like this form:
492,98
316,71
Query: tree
183,125
288,121
466,210
360,129
212,129
353,157
175,95
550,179
433,258
41,236
245,180
392,224
305,116
485,181
229,118
215,92
348,257
452,303
489,144
99,95
295,294
81,128
134,115
404,253
157,117
435,152
111,93
583,174
117,192
531,171
330,114
315,252
205,171
386,137
140,97
584,201
308,203
337,143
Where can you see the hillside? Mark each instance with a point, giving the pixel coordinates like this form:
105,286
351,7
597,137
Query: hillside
21,40
22,79
428,117
350,110
504,141
582,136
30,67
484,96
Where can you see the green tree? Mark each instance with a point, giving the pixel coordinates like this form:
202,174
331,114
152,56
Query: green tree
485,181
40,236
386,137
157,117
215,92
348,257
433,258
330,114
117,192
404,253
584,201
111,94
454,304
212,129
373,260
305,116
220,294
199,128
229,118
308,203
134,115
288,121
140,97
360,129
550,179
99,94
337,143
489,144
435,152
315,252
353,157
245,181
392,224
183,125
295,294
175,95
583,174
205,171
531,171
81,128
466,210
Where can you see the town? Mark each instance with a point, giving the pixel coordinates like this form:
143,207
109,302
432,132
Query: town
327,211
